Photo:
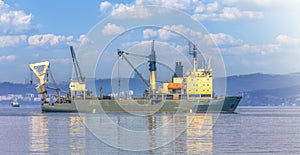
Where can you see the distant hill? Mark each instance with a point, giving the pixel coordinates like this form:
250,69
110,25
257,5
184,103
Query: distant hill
257,89
278,96
266,89
259,81
14,88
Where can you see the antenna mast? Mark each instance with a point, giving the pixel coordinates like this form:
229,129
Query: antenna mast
152,68
194,53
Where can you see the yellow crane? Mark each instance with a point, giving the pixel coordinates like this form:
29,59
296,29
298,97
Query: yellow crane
77,85
40,70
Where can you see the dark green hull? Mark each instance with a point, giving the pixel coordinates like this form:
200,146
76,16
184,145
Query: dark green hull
222,104
15,105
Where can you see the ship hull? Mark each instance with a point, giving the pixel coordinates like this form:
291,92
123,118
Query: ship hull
15,105
222,104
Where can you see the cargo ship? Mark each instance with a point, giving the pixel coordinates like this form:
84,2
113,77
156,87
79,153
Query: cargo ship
186,93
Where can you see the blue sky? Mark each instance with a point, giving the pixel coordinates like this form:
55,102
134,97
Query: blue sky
252,35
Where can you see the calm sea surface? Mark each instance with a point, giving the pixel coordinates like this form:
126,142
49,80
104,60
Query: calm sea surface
252,130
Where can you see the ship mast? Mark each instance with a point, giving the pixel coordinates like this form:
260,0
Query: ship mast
152,68
194,53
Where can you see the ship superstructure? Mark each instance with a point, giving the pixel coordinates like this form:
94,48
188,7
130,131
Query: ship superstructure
197,83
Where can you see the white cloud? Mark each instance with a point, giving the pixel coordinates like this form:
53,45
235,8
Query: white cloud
199,8
168,32
241,49
165,34
223,39
202,10
41,40
48,39
284,44
181,29
177,4
7,41
83,39
284,39
256,2
269,48
128,11
104,6
262,2
112,29
234,13
149,33
148,43
255,49
238,47
8,58
13,21
266,5
3,5
182,49
127,45
229,13
212,7
134,10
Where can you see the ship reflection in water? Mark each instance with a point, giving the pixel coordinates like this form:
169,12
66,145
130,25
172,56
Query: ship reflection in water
61,134
199,142
196,139
57,134
77,135
39,134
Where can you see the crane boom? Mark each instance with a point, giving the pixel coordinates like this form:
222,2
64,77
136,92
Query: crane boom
152,67
137,55
79,85
79,76
40,70
121,53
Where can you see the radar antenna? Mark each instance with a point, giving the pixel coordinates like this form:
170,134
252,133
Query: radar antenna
194,52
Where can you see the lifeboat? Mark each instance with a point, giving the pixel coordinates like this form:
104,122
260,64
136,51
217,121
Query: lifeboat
174,86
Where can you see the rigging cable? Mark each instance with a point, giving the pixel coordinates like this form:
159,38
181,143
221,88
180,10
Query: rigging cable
119,80
51,76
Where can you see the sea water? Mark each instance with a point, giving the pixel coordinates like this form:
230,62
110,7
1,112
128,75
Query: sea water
251,130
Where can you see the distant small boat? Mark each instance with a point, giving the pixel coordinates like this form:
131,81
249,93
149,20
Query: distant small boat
15,104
